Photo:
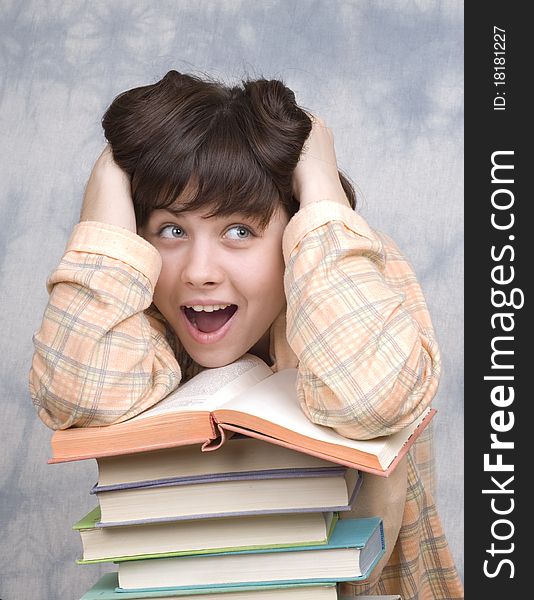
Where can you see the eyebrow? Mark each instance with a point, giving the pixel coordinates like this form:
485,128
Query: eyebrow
178,211
175,210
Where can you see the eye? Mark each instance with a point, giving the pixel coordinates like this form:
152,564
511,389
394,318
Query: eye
238,232
172,232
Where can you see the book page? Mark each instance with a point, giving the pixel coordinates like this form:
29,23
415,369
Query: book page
211,388
275,400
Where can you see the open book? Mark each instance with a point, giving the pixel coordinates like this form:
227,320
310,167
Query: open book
244,397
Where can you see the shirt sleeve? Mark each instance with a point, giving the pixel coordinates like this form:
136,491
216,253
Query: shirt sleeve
369,363
99,359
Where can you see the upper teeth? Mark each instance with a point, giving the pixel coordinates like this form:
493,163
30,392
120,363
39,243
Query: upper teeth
207,307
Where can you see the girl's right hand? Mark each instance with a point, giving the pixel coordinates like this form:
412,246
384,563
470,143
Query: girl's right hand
108,195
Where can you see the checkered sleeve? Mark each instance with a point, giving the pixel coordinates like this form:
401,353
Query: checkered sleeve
358,323
99,359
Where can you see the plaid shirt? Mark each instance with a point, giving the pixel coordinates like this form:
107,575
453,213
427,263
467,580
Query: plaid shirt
358,330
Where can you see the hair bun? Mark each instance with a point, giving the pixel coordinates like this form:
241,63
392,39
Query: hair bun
280,126
273,100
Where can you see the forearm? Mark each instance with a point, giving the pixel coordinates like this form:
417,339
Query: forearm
316,176
369,363
107,197
98,359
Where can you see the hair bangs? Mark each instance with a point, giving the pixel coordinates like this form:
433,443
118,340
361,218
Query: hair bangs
221,176
230,178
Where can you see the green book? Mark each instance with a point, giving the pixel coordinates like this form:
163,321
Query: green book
105,589
201,536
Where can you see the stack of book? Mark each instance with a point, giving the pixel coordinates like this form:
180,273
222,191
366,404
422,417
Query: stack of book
258,518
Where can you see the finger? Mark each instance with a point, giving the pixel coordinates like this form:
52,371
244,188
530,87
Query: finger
319,122
316,120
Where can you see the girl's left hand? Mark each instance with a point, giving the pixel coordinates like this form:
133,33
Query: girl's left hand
316,174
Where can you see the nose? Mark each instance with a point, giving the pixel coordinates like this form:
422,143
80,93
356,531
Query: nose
202,267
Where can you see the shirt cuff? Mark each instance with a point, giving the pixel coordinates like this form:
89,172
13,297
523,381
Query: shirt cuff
319,213
118,243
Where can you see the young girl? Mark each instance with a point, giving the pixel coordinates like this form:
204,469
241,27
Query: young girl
216,223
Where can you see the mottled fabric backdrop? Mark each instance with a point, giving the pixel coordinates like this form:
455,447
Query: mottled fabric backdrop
387,76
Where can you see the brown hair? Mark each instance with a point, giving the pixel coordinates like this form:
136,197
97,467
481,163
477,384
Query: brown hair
233,149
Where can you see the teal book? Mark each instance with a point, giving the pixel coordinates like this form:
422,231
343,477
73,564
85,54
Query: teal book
105,589
351,553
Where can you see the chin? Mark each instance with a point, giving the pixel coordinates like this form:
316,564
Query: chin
212,362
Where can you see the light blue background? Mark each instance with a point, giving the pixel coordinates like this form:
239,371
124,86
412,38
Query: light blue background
387,76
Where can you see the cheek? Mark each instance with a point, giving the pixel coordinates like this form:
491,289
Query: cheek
266,283
167,282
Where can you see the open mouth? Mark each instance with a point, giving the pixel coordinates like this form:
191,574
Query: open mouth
209,318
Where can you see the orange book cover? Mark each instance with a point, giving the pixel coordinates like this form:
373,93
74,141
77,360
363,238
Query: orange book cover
244,397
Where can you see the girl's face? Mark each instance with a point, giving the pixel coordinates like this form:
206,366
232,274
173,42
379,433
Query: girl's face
221,284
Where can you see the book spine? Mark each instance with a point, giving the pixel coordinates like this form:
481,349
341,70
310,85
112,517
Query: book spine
356,490
218,438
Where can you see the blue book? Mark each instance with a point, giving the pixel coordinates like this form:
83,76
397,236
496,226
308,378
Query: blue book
351,553
280,491
105,589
